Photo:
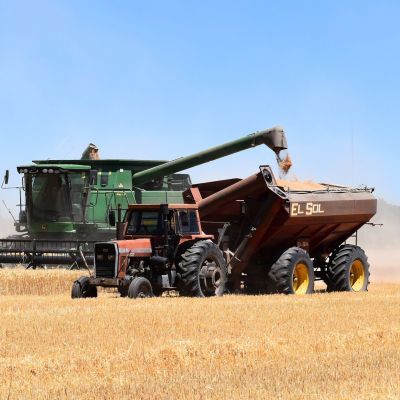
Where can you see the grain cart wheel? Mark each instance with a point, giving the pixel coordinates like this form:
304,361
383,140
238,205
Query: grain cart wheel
140,288
202,270
293,273
348,269
81,288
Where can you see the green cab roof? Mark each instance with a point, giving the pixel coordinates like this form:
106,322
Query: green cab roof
86,165
99,163
59,167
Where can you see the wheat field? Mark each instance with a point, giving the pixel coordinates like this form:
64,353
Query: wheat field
320,346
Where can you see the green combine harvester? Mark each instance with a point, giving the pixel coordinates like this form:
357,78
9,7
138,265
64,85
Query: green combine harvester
71,204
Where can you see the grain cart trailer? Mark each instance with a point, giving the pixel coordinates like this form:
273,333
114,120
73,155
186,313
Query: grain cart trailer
277,240
71,204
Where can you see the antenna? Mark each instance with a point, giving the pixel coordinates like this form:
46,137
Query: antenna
352,157
9,211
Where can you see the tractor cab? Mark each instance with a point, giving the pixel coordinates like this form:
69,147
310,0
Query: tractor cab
159,248
162,220
165,226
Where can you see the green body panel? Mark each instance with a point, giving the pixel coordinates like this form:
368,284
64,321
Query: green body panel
51,227
101,202
160,197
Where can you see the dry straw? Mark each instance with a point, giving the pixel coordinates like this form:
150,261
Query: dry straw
321,346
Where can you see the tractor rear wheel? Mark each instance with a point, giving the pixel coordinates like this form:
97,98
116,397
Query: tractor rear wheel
348,270
140,288
293,273
202,270
82,289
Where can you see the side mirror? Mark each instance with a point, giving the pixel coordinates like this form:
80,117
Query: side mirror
6,177
111,217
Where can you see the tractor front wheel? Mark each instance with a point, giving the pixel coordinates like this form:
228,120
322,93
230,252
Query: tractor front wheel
140,288
202,270
293,273
82,289
348,270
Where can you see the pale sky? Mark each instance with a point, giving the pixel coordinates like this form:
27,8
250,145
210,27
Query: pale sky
163,79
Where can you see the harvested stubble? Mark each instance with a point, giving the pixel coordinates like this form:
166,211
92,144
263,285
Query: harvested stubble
322,346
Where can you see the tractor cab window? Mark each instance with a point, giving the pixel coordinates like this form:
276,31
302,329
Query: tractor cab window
188,222
145,222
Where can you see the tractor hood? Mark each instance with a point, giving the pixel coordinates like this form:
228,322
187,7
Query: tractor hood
135,247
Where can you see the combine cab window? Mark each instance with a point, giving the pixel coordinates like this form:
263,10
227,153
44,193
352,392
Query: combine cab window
188,222
55,197
145,222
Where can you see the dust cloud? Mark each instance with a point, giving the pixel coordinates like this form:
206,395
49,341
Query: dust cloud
6,227
382,243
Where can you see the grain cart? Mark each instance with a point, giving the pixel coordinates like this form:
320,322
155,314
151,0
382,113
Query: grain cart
71,204
162,247
278,240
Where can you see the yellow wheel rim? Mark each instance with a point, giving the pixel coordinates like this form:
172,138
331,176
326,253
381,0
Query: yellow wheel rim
357,275
301,278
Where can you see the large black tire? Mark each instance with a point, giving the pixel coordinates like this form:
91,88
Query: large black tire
123,290
202,270
348,270
140,288
82,289
293,273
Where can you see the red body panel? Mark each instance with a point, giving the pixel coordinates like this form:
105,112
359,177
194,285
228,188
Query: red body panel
131,248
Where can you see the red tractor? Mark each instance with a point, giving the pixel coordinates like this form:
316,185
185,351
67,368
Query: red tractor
161,248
